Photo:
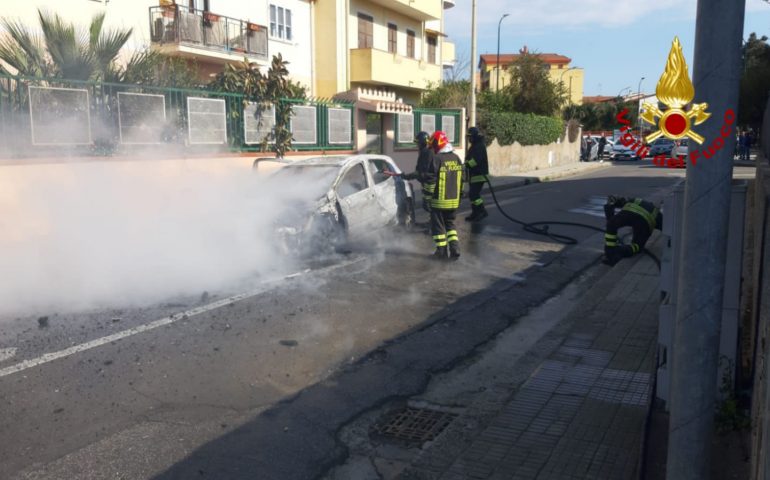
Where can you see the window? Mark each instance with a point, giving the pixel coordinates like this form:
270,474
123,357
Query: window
378,168
392,38
280,22
353,182
365,29
410,36
432,44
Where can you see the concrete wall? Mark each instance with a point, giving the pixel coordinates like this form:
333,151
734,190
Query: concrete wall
513,159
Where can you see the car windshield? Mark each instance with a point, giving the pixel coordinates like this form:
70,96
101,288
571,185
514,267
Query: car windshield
663,141
312,180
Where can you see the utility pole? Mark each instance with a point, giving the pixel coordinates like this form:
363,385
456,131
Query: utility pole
716,77
497,66
473,65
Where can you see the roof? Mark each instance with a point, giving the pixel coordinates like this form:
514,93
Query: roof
598,99
508,58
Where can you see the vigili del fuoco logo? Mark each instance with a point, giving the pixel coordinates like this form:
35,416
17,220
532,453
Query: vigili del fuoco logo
676,91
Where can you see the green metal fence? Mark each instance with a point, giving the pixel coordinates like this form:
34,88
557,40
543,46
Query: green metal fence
429,120
40,116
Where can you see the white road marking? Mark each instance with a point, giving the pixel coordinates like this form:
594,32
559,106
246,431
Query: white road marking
6,353
50,357
595,207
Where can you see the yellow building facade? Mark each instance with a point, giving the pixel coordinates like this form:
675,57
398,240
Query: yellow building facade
559,71
392,45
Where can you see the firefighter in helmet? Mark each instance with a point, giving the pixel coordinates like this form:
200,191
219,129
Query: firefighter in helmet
641,215
478,169
424,158
445,180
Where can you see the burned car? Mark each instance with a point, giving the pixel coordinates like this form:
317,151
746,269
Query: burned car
344,199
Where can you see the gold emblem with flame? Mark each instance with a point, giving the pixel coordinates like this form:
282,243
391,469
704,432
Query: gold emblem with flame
675,90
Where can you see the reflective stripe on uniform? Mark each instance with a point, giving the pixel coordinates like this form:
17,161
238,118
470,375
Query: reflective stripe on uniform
451,235
445,204
610,236
439,237
472,162
639,210
478,179
635,248
429,187
611,243
478,201
442,243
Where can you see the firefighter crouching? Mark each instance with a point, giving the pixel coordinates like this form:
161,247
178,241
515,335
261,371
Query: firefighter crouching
641,215
445,180
478,169
424,158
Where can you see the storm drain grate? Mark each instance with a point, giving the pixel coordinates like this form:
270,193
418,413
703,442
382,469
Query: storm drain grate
415,424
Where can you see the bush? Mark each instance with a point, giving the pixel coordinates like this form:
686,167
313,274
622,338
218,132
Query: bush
525,128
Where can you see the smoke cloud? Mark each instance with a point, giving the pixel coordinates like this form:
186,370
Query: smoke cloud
89,235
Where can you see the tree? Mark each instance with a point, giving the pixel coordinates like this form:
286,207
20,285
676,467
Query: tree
755,81
64,51
460,69
450,94
266,90
531,88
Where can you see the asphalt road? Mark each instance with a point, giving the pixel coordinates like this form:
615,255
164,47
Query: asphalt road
223,384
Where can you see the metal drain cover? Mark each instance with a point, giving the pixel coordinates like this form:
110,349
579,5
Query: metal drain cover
414,425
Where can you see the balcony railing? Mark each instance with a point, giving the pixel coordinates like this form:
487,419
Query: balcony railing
177,24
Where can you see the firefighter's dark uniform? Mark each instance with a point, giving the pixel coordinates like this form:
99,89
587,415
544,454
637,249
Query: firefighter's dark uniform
478,170
424,158
445,180
642,216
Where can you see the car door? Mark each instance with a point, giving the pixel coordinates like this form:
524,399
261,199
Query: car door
357,200
385,189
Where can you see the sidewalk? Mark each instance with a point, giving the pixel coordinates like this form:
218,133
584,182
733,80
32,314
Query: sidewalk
582,409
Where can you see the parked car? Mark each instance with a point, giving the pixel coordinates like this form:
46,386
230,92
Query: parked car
681,149
661,146
622,152
350,197
607,148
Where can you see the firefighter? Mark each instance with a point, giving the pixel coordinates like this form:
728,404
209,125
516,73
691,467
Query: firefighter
445,180
641,215
478,169
424,158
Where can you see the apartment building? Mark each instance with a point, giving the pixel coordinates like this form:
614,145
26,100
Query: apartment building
211,33
559,71
394,45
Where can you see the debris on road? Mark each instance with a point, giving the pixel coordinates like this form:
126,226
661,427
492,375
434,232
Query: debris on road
289,343
42,322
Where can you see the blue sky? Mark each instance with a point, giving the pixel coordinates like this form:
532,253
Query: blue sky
616,42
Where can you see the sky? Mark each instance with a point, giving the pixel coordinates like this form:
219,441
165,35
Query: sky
616,42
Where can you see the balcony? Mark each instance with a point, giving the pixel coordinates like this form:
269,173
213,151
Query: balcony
376,67
422,10
185,32
448,56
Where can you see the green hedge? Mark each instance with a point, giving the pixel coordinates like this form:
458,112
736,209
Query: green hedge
525,128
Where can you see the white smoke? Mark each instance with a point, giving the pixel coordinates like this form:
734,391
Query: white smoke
87,235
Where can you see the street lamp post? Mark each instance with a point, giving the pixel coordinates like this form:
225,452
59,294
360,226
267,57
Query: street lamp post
623,90
639,110
473,65
497,82
561,82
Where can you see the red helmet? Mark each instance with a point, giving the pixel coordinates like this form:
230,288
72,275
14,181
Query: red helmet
438,141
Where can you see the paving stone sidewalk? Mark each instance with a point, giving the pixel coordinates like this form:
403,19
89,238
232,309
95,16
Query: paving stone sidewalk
582,412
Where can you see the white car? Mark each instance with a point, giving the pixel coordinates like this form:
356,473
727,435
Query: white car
622,152
351,197
607,148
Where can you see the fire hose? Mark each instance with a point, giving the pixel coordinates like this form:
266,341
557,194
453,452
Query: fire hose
542,227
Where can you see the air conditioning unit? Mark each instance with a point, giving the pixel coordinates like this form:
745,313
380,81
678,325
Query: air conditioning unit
673,218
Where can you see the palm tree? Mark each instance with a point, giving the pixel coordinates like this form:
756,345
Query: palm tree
64,51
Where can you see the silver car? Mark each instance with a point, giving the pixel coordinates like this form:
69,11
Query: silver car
348,199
